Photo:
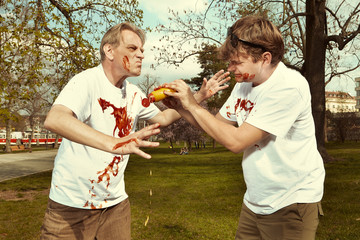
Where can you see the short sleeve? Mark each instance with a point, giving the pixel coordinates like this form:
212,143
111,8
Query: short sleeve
227,111
76,96
277,111
145,113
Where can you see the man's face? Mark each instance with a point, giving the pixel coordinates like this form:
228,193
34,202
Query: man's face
129,54
244,69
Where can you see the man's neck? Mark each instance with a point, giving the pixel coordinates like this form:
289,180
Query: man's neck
113,75
267,74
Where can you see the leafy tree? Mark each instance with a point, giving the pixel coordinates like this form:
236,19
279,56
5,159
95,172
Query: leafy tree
40,40
318,34
210,64
180,130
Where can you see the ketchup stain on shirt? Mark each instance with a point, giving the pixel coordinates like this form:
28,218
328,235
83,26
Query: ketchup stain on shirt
145,102
245,105
122,122
92,206
112,168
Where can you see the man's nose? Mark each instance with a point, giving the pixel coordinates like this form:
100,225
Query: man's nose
140,54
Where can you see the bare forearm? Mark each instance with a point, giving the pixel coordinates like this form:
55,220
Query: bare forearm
169,115
66,125
218,130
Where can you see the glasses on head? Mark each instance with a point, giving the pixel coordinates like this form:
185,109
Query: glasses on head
234,40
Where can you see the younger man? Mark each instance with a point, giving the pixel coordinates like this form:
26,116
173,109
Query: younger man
268,117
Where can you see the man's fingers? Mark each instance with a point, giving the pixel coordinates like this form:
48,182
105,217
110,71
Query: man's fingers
142,154
219,73
148,133
148,144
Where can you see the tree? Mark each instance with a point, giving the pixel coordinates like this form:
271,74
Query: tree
342,123
42,39
210,64
317,42
19,73
148,84
180,130
314,32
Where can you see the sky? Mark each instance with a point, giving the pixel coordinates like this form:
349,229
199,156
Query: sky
156,12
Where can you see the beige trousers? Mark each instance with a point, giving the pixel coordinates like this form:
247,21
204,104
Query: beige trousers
63,222
297,221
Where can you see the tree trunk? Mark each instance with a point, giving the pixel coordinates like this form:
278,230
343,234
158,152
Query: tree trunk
8,136
190,146
314,66
56,143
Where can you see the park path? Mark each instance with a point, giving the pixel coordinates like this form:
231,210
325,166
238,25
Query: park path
13,165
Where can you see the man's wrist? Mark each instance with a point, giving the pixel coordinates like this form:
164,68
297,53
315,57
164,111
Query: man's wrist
198,97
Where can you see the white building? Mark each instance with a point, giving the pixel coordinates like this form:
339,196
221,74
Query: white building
340,102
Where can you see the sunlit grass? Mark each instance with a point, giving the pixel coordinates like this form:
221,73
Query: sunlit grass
194,196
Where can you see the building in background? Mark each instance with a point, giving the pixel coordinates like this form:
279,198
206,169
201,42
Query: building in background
337,102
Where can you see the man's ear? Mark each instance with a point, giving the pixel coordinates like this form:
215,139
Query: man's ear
108,50
267,57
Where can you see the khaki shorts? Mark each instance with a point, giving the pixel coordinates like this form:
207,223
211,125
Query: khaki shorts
297,221
63,222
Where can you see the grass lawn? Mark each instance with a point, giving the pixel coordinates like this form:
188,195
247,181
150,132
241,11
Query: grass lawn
195,196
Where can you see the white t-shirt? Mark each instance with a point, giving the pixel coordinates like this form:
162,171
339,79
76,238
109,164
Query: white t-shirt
85,177
285,167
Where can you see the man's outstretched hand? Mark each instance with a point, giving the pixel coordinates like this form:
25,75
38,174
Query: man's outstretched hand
133,142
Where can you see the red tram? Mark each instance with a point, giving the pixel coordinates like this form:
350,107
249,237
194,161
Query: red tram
18,138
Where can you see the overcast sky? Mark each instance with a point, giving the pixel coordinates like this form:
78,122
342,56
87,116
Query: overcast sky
156,12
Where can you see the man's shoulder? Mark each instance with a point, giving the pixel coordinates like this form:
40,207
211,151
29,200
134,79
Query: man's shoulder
130,87
89,72
289,77
86,76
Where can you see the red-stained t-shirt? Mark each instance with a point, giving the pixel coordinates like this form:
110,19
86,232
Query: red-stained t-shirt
85,177
285,167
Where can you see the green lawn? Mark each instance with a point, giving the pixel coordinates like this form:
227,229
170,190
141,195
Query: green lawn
195,196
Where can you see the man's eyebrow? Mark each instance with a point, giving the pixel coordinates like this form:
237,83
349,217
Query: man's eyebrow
133,45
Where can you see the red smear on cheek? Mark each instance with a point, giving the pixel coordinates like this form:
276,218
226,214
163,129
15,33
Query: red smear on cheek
124,143
252,76
126,63
245,76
